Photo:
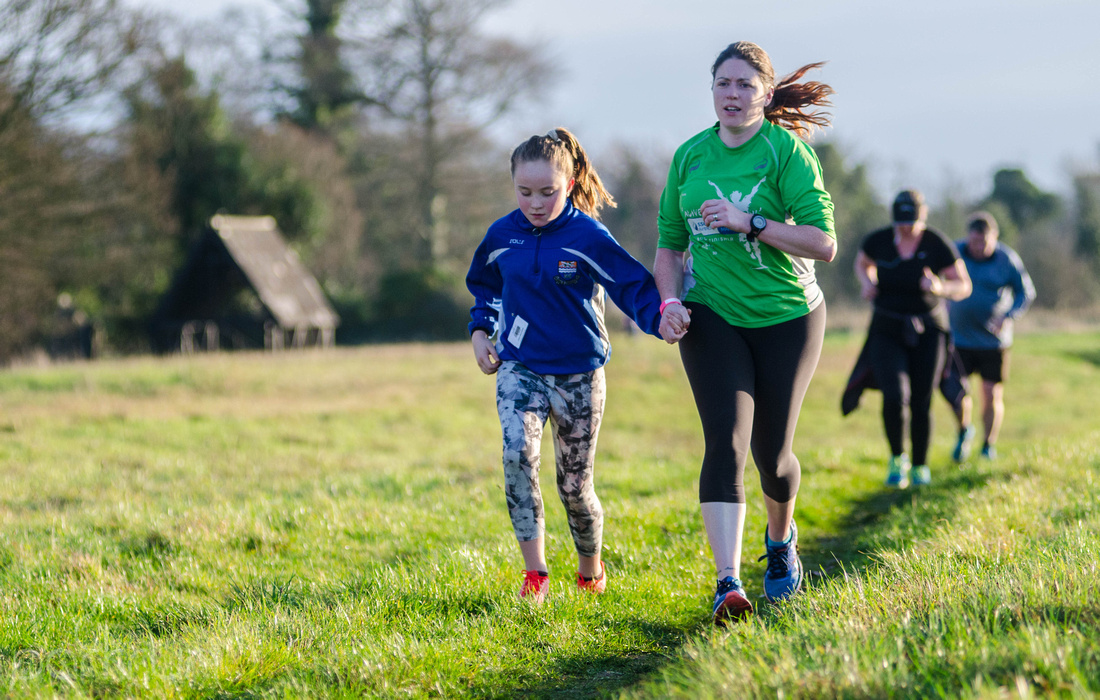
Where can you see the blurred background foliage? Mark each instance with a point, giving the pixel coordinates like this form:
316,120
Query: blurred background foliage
364,128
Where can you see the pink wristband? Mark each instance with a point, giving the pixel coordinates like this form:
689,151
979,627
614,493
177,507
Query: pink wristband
666,302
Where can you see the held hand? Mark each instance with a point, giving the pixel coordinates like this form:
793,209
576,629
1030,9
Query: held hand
719,213
674,323
930,282
485,353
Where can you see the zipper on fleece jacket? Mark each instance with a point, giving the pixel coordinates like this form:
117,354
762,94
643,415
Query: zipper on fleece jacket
538,247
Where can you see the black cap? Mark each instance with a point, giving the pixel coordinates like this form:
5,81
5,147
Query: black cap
907,206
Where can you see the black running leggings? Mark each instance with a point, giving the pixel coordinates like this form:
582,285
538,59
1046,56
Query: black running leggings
748,385
907,374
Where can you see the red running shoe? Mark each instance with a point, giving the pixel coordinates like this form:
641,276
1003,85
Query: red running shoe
593,585
535,586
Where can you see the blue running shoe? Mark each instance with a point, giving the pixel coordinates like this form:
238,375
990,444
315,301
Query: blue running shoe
964,444
898,477
989,452
922,475
730,601
783,577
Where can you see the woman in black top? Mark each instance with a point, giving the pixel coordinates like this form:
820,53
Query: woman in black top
907,270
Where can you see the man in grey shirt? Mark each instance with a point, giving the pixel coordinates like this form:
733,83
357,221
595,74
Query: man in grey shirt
981,325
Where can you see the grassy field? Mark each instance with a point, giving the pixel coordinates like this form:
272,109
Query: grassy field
333,525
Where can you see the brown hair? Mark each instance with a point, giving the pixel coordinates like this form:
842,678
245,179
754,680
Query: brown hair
788,105
982,222
562,150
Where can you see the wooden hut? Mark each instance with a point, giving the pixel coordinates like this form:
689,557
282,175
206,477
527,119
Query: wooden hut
242,287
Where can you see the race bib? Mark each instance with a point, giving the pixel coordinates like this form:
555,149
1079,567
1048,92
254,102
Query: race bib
519,329
699,227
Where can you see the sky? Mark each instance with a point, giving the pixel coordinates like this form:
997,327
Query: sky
936,95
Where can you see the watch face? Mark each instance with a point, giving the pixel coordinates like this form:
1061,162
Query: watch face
759,222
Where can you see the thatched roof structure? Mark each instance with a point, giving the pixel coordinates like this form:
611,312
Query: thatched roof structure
243,287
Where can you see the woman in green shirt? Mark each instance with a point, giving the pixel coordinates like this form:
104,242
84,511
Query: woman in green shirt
743,216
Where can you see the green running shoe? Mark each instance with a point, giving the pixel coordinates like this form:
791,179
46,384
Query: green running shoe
922,475
964,444
898,477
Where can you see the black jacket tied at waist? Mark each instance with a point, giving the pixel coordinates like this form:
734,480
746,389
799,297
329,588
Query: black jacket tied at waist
953,381
909,327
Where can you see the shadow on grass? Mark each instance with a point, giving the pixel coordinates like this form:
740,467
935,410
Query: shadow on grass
871,520
602,675
1090,356
869,525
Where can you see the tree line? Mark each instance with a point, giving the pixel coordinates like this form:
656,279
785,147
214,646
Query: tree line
363,127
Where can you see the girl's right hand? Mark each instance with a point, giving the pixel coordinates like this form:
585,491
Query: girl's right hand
485,352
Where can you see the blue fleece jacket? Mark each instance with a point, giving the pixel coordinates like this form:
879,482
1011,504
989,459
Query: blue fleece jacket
541,291
1002,289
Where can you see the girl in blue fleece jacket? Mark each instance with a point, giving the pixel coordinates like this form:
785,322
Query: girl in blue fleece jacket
538,281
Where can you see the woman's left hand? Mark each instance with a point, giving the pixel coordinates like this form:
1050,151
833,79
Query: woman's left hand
674,323
720,213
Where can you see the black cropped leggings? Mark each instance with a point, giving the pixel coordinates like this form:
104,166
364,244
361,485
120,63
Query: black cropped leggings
907,370
748,385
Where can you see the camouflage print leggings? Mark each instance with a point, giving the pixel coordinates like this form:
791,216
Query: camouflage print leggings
574,404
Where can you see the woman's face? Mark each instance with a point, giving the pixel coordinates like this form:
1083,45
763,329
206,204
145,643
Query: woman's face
908,229
739,95
541,191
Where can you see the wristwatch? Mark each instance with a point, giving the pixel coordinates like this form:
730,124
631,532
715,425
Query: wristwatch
756,226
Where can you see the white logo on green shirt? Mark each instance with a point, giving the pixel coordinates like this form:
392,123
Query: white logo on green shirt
743,202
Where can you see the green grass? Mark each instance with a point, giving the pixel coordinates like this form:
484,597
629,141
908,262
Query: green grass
333,524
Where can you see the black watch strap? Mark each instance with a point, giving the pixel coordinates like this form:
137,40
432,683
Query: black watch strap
756,224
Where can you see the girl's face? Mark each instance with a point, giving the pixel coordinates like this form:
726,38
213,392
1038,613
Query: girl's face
739,95
541,190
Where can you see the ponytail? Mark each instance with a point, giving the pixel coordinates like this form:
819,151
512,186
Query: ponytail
788,105
791,98
561,149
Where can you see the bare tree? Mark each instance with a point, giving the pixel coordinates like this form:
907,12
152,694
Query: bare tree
55,54
635,178
428,65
